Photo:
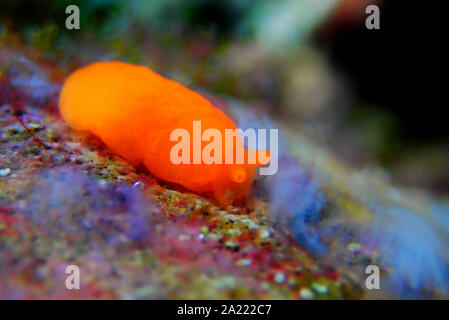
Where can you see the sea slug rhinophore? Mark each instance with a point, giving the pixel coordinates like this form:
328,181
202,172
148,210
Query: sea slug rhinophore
133,110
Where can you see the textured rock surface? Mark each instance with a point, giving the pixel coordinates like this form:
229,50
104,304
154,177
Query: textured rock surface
65,199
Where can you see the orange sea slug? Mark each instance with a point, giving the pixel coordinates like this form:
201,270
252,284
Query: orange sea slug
134,110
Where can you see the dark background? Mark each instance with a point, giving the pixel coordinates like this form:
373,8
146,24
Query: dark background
400,66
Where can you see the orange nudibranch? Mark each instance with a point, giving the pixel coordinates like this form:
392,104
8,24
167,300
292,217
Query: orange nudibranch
134,110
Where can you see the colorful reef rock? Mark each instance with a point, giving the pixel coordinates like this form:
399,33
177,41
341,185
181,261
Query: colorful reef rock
66,198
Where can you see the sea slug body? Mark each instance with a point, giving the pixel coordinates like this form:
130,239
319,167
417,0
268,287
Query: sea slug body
133,110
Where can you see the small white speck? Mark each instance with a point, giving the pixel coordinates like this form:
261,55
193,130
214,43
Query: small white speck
184,237
266,286
264,233
214,236
138,184
244,262
251,224
306,293
102,183
34,125
353,247
320,288
233,231
5,172
231,244
279,277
